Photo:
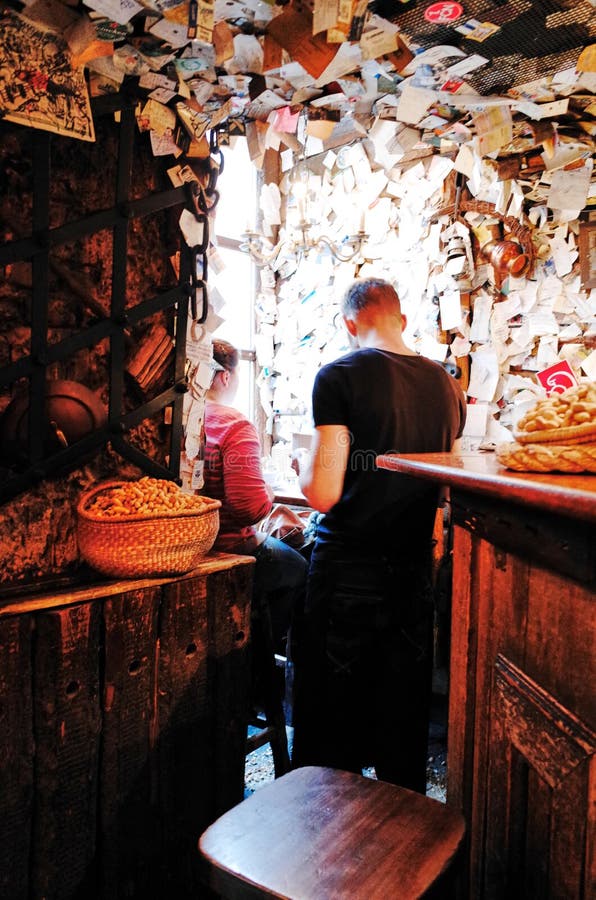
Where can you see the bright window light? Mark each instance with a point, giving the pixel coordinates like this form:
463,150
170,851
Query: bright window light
234,277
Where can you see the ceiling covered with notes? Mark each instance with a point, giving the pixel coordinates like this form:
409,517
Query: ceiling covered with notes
202,63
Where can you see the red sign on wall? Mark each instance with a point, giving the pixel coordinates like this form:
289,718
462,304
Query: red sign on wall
443,13
557,378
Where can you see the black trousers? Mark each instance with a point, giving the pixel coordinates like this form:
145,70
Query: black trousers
362,653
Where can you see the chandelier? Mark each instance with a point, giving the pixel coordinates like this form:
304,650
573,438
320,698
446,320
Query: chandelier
299,244
309,214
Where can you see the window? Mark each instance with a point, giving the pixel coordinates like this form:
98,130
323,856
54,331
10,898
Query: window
232,272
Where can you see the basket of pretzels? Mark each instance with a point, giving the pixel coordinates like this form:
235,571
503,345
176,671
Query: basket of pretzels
558,434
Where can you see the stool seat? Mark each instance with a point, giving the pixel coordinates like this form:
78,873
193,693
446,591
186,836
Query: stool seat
325,834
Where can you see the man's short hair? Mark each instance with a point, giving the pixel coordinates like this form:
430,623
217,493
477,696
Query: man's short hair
225,354
369,292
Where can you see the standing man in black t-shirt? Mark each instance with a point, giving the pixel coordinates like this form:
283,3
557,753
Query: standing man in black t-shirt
362,648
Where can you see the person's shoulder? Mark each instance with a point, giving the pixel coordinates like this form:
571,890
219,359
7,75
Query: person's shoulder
351,358
223,416
433,366
452,386
224,412
337,371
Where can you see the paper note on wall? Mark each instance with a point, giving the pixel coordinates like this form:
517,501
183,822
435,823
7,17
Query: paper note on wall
476,418
484,374
450,307
294,33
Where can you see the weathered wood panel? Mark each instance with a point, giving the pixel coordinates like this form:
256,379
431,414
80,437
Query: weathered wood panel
480,574
229,629
128,812
543,621
122,708
67,725
186,733
561,640
16,753
463,660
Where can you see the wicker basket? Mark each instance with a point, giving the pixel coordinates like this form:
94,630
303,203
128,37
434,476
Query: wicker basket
572,434
133,546
572,458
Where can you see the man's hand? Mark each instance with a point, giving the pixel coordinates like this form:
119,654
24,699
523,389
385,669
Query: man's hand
299,459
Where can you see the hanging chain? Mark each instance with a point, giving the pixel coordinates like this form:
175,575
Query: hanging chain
202,200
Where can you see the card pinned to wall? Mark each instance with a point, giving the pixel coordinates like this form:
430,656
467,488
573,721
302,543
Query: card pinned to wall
324,15
494,129
191,228
285,120
476,419
557,378
163,144
378,38
450,309
293,32
120,11
172,33
473,30
161,119
484,373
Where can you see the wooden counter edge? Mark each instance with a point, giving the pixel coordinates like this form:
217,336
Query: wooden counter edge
481,473
23,603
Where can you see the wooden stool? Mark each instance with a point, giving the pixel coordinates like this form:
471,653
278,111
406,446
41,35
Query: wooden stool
271,724
325,834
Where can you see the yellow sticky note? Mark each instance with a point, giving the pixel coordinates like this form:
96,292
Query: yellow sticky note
587,59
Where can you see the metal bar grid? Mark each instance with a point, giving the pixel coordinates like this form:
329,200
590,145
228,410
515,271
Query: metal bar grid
37,248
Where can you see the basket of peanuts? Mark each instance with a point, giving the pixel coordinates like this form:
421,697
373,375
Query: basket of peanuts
558,434
145,527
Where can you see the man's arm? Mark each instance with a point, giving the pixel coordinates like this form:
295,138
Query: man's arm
321,472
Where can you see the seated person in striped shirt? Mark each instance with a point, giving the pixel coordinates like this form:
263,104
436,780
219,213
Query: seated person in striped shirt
233,475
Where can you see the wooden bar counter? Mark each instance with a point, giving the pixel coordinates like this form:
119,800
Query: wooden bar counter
123,711
522,709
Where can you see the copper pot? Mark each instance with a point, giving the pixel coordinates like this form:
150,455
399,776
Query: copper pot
71,411
507,258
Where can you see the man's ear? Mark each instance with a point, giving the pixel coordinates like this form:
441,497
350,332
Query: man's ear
350,326
225,377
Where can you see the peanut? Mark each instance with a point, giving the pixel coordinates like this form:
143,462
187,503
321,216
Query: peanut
146,497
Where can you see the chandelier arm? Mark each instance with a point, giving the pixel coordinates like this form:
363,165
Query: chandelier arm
256,254
336,250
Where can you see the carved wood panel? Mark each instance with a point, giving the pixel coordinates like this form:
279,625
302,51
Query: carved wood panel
521,744
540,799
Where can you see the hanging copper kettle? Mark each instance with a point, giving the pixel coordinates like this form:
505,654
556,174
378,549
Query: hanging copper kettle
506,258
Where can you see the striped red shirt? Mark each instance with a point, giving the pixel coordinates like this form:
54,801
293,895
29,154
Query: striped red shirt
233,474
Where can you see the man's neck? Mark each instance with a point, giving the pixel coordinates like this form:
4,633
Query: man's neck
373,339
